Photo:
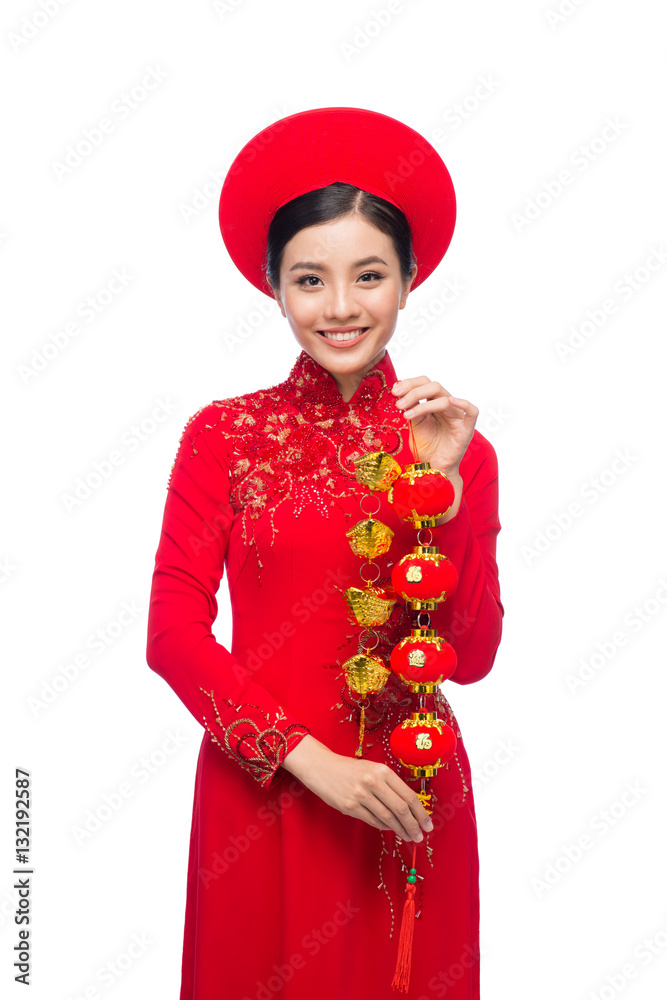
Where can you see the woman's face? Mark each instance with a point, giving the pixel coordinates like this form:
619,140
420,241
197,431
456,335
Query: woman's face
342,276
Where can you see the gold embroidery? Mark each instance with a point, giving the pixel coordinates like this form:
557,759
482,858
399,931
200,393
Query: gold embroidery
258,751
299,440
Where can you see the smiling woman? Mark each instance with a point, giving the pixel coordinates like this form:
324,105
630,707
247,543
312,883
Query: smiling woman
319,281
313,847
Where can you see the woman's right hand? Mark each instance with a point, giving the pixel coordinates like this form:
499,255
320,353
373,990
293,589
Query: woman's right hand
358,787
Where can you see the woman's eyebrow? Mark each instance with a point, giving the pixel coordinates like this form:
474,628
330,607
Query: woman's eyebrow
313,266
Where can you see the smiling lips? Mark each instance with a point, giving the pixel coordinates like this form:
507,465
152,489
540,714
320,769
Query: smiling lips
343,337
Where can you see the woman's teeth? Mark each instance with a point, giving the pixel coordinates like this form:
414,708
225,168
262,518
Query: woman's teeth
344,336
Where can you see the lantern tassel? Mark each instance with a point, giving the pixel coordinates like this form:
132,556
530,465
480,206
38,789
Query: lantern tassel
401,979
362,728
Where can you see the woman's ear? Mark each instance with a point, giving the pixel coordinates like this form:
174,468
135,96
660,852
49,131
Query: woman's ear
276,295
407,285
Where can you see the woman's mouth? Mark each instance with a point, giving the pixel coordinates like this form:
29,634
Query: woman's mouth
344,338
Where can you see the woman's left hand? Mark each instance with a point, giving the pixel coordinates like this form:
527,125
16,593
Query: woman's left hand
442,426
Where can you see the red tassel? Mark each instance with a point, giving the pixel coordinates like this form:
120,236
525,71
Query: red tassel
401,979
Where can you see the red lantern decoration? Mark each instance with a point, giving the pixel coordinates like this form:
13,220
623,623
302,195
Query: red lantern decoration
423,659
421,494
424,577
423,743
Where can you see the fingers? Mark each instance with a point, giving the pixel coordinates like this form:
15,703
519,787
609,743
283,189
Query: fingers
401,788
462,409
436,398
468,409
395,811
395,805
362,812
404,385
371,791
412,390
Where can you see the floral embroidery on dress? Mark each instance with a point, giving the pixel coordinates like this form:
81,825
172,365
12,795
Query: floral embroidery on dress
299,439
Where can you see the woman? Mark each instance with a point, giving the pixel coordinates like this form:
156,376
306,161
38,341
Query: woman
304,823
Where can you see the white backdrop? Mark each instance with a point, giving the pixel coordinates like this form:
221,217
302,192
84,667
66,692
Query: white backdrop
123,315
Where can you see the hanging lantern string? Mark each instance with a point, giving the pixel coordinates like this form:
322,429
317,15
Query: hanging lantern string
413,443
423,742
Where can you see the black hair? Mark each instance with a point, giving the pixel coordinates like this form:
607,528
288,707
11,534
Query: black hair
327,204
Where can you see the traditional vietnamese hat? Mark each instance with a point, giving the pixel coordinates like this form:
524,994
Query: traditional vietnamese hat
314,148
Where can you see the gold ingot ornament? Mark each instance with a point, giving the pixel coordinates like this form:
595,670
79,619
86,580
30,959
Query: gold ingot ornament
377,470
370,538
365,673
369,606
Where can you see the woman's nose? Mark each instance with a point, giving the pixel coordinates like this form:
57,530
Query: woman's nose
341,303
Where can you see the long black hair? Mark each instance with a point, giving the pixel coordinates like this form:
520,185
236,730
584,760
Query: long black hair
334,202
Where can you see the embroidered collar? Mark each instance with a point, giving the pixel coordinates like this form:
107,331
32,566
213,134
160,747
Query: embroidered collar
312,382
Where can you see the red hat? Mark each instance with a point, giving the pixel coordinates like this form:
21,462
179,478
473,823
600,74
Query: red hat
315,148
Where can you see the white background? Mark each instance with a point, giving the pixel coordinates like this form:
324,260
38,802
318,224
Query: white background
518,95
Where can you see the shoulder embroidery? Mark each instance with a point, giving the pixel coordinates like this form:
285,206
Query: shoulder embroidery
298,441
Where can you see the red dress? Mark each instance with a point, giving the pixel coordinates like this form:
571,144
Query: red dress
286,896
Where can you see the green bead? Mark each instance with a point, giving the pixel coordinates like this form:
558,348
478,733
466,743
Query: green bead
413,871
412,878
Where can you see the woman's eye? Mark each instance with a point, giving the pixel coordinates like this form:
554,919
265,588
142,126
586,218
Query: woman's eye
309,279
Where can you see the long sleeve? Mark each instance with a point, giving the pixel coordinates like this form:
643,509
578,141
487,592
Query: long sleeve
471,618
239,714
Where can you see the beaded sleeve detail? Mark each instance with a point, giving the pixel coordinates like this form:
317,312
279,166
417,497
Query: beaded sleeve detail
299,439
260,751
253,726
